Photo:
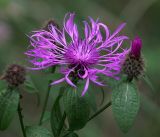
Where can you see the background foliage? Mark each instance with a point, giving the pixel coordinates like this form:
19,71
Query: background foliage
19,17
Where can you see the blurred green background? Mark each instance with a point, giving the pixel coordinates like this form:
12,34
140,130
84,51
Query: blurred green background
19,17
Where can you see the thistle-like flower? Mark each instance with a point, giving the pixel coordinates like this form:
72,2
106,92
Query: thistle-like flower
78,57
133,65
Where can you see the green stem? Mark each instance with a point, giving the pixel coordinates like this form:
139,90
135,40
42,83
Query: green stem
45,102
46,98
21,120
100,111
61,124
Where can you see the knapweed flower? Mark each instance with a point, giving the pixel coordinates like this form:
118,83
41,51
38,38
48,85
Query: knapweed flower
82,57
133,65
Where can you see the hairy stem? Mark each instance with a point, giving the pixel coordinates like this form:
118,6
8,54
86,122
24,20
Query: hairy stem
21,120
100,111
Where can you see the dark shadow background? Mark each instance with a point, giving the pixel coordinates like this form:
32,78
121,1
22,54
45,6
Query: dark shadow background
19,17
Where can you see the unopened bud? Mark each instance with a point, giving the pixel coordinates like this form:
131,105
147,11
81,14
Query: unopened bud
15,75
133,65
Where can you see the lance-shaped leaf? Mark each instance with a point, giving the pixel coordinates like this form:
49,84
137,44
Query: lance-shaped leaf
76,107
125,105
37,131
8,107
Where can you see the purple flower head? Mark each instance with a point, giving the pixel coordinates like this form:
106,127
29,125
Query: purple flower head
83,57
136,47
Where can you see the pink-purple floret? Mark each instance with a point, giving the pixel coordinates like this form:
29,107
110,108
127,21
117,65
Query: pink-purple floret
136,46
95,53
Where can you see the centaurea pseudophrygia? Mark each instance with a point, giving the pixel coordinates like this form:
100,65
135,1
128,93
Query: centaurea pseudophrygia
84,57
133,65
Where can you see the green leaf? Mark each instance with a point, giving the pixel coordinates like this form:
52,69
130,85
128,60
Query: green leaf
91,100
77,108
2,93
8,107
125,105
71,135
3,85
46,117
56,114
37,131
103,96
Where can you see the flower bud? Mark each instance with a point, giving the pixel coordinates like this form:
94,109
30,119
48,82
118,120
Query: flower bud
133,65
15,75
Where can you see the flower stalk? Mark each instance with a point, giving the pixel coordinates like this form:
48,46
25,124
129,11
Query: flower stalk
46,98
45,102
21,120
100,111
